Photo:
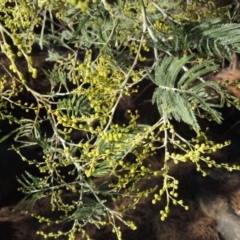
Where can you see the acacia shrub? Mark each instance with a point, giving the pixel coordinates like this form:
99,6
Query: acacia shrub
107,51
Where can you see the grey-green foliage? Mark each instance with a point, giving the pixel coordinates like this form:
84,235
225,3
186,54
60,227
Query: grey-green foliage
179,98
118,153
88,210
210,36
30,182
75,105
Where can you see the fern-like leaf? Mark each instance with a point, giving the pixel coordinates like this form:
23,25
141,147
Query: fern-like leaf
174,98
210,36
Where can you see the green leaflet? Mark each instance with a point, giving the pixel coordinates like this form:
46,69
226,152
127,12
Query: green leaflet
209,36
102,167
89,210
30,182
75,106
174,98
